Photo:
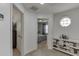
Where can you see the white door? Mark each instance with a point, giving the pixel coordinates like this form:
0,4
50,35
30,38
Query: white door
18,20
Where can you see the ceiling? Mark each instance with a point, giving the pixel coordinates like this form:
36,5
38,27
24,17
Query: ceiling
50,7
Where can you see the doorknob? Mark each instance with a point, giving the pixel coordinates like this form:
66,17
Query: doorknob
19,36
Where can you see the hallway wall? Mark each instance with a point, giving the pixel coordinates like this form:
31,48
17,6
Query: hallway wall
73,30
30,32
5,34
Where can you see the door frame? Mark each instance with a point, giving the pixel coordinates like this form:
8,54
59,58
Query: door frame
38,34
22,40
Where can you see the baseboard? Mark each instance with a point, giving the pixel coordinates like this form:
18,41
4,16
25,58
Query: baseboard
49,47
31,50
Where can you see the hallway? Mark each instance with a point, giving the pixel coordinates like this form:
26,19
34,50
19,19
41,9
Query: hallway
43,51
59,27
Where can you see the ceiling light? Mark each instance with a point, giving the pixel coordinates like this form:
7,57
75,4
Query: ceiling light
40,20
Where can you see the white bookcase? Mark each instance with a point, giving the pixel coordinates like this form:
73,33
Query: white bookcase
70,47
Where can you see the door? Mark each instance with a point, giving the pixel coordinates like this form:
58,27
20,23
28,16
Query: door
17,18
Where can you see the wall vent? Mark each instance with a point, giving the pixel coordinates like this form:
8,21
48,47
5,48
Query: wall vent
34,8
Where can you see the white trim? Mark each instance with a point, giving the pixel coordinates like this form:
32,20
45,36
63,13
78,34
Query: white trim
22,46
11,13
33,49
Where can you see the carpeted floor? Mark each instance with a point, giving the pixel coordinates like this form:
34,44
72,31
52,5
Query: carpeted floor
16,52
44,51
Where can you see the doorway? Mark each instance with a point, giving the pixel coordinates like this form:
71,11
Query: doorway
42,32
17,30
14,35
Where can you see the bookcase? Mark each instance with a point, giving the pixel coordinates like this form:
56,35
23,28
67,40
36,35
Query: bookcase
70,47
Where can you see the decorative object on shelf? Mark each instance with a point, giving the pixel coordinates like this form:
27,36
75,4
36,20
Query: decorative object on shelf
1,17
63,36
55,42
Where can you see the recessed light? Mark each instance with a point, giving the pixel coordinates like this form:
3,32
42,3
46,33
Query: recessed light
40,20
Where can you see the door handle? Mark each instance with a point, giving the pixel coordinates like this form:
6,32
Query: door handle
19,36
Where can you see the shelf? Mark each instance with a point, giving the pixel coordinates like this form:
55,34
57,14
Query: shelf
55,39
65,48
77,48
71,41
69,49
64,51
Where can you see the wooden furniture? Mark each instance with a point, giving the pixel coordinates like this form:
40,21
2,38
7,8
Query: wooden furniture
70,47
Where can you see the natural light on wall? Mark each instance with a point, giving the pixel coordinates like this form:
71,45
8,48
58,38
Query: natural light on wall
46,27
65,22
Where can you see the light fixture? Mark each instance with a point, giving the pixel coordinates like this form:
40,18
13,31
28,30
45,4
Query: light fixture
65,22
40,20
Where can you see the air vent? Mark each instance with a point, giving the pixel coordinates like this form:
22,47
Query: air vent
34,8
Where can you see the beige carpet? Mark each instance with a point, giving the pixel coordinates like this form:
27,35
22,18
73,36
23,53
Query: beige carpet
16,52
44,51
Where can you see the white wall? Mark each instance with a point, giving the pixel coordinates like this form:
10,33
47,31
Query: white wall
30,32
73,30
50,27
5,35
